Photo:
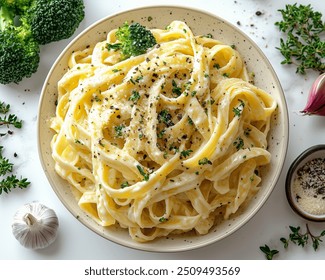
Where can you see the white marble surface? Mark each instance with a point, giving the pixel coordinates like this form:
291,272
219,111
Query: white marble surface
75,241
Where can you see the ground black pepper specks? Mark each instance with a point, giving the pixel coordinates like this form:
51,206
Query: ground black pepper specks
309,186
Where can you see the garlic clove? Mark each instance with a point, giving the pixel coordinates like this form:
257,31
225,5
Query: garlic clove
35,225
316,98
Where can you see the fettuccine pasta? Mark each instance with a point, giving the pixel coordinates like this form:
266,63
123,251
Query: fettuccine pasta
162,143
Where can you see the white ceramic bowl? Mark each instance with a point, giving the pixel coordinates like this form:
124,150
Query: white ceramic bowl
297,203
201,23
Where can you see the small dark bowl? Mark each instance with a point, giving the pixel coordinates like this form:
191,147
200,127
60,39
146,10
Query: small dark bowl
311,153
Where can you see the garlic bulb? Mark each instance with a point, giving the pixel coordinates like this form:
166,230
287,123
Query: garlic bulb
316,98
35,225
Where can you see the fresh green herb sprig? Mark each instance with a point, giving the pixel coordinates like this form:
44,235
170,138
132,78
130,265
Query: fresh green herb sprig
301,239
269,253
11,120
296,237
12,182
9,181
4,108
8,120
5,165
163,219
303,45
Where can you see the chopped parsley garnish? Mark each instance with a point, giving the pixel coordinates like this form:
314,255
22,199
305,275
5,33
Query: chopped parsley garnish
119,130
135,96
176,89
204,161
161,133
143,173
209,35
138,79
124,185
185,153
239,143
165,117
239,109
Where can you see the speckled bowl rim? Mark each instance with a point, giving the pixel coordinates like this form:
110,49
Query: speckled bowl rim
279,143
288,183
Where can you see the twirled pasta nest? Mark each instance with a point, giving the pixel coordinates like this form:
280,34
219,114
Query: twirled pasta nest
162,143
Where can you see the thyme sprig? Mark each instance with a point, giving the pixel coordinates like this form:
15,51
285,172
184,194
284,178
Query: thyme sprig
8,120
9,181
303,45
301,239
295,237
12,182
5,165
4,108
269,253
11,120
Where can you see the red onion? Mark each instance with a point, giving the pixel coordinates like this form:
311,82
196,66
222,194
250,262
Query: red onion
316,98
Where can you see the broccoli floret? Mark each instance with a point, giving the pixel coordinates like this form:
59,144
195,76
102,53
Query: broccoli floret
53,20
19,52
26,24
16,6
133,40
